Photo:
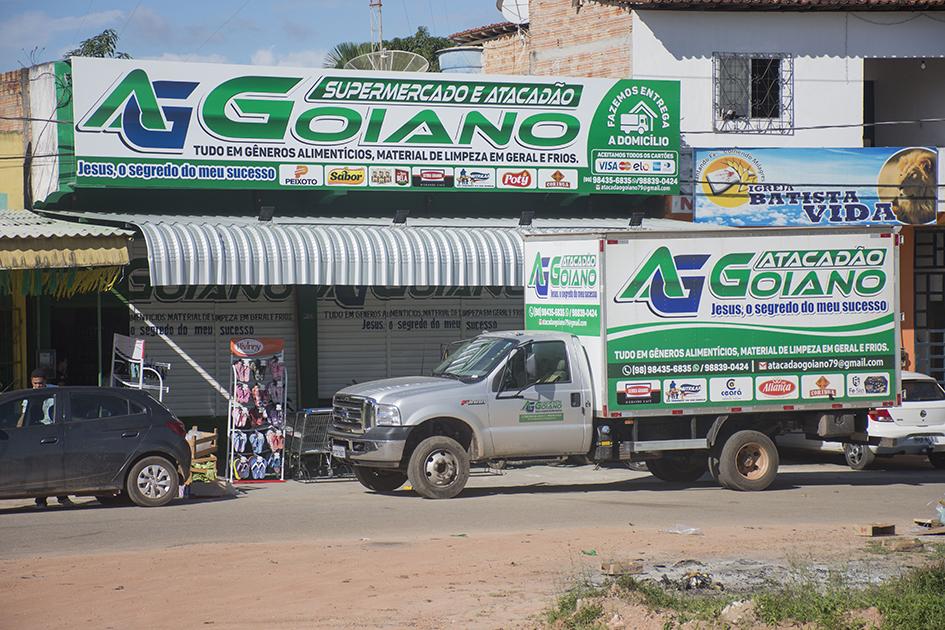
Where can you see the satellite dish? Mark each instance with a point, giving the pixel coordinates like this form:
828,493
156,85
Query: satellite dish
389,60
515,11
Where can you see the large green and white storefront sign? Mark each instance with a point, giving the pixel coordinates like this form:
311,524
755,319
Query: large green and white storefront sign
758,320
155,124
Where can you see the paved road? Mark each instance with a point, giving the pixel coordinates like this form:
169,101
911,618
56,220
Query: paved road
519,500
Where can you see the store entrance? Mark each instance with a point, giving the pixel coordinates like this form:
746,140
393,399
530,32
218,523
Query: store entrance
930,302
74,336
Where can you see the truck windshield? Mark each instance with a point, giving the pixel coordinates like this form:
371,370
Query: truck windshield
475,359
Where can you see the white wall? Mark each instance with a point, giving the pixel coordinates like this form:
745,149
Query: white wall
828,51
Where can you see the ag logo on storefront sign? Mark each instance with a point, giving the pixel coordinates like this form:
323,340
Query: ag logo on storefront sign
658,283
134,110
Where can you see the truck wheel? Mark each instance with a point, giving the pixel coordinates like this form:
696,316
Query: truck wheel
438,468
937,460
379,480
152,482
678,468
859,456
749,461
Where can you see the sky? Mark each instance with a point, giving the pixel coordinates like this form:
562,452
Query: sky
261,32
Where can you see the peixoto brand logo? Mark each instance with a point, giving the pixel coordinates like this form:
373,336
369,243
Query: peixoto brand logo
670,287
551,273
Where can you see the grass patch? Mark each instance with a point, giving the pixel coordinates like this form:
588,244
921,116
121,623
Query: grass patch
688,605
565,613
912,602
915,601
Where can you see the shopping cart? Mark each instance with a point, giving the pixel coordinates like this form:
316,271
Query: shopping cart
309,446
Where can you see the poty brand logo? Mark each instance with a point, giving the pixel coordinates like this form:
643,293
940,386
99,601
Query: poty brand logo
148,116
249,346
658,283
777,387
521,179
562,272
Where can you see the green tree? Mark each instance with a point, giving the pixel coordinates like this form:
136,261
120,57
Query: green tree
421,43
344,52
105,44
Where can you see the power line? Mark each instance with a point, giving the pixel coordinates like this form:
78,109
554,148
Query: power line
219,28
130,15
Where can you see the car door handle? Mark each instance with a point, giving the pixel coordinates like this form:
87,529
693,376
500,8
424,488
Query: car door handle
129,434
49,440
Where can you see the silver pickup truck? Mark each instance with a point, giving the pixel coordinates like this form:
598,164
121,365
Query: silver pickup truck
687,352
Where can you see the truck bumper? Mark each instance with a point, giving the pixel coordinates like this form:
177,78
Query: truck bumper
909,445
381,447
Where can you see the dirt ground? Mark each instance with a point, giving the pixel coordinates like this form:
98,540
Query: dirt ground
462,581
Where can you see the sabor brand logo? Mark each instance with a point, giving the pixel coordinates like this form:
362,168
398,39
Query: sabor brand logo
658,283
249,346
562,272
346,176
142,114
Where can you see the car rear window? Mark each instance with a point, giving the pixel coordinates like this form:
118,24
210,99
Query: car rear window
920,391
88,406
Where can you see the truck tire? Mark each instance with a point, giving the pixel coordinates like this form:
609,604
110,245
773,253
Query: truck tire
378,479
438,468
748,461
152,482
678,468
858,456
937,460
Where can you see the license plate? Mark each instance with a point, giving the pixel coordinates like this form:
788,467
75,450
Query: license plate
338,451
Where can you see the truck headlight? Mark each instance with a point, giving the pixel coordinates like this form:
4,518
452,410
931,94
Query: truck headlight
386,415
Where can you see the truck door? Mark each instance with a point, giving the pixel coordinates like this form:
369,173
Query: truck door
538,408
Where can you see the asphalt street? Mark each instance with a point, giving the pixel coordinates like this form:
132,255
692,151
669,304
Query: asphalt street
519,499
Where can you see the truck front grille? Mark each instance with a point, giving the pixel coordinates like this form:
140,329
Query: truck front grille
349,413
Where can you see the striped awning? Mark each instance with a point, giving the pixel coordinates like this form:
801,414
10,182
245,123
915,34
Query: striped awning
204,250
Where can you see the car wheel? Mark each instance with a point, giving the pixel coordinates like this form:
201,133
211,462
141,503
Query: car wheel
748,461
152,482
378,479
858,456
438,468
937,460
678,468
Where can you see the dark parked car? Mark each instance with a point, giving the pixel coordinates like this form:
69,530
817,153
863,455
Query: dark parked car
114,444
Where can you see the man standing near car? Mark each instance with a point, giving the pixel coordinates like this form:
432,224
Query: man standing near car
38,380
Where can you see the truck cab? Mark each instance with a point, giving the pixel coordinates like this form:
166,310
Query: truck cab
505,394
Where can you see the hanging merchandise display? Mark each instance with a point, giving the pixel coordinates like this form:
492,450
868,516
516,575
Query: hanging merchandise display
257,409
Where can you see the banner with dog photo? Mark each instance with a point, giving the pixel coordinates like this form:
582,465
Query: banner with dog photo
816,187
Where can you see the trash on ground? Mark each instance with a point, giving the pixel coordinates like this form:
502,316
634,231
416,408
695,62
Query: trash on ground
459,535
693,581
589,552
928,523
876,529
684,530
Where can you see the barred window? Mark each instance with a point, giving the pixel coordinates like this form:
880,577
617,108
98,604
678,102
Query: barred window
753,93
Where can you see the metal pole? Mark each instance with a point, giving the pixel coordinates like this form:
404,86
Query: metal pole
98,317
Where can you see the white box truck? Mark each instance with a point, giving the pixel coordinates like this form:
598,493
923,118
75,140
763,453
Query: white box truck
689,351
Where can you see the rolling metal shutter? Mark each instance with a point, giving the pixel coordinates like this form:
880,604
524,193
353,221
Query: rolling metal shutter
367,334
